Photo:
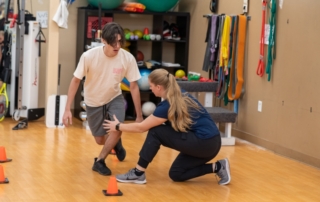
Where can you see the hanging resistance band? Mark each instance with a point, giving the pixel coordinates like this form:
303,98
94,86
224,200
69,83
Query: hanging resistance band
272,38
237,69
233,37
213,33
224,55
217,46
260,69
218,72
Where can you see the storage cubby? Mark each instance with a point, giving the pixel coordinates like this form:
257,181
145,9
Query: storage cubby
168,50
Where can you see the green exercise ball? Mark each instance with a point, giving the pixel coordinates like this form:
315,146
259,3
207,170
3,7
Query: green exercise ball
158,5
106,4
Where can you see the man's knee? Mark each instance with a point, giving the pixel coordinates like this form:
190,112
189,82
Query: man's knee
100,140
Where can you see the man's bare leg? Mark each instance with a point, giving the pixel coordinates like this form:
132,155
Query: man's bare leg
110,142
101,140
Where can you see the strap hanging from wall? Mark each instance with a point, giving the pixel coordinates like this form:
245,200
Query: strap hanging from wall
272,38
230,47
260,68
236,74
224,57
233,39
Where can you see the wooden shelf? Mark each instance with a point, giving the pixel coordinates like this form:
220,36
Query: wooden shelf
181,47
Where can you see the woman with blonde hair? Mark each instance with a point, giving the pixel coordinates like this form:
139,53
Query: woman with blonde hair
181,123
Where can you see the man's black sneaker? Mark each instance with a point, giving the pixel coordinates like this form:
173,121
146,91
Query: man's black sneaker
100,167
120,151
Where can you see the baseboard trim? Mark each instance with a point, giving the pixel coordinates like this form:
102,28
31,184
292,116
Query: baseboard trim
278,149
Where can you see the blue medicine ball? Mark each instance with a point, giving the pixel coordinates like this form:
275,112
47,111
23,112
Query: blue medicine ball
143,82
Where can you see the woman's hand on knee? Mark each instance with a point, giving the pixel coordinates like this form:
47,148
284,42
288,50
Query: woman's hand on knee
111,125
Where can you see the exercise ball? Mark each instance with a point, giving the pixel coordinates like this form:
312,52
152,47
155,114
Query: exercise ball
106,4
125,85
180,73
143,82
158,6
140,56
148,108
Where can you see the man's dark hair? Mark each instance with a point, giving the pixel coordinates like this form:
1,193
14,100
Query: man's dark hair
110,33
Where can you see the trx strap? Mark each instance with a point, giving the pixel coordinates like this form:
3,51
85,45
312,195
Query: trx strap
272,38
260,69
238,68
38,39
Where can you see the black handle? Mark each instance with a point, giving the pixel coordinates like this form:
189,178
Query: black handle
59,68
39,54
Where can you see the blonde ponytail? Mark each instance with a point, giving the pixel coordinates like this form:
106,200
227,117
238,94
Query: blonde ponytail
180,104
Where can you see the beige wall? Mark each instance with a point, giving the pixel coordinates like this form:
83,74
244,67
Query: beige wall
286,125
67,44
66,52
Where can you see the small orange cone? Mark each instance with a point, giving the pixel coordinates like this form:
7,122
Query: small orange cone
112,188
3,156
113,152
2,178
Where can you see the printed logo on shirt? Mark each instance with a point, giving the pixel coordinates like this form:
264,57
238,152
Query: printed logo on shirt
117,70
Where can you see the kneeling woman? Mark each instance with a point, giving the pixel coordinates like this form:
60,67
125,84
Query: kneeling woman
181,123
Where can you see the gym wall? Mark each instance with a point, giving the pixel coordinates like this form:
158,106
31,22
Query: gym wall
290,117
289,121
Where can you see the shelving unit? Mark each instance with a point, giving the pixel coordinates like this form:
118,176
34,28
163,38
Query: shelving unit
160,50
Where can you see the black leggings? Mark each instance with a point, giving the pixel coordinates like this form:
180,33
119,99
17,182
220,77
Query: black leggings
194,152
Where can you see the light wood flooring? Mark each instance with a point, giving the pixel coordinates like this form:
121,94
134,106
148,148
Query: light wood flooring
55,165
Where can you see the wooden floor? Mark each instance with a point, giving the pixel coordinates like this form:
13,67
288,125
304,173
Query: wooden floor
55,165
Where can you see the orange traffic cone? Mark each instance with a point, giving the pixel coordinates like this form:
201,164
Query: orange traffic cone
3,156
112,188
2,178
113,152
